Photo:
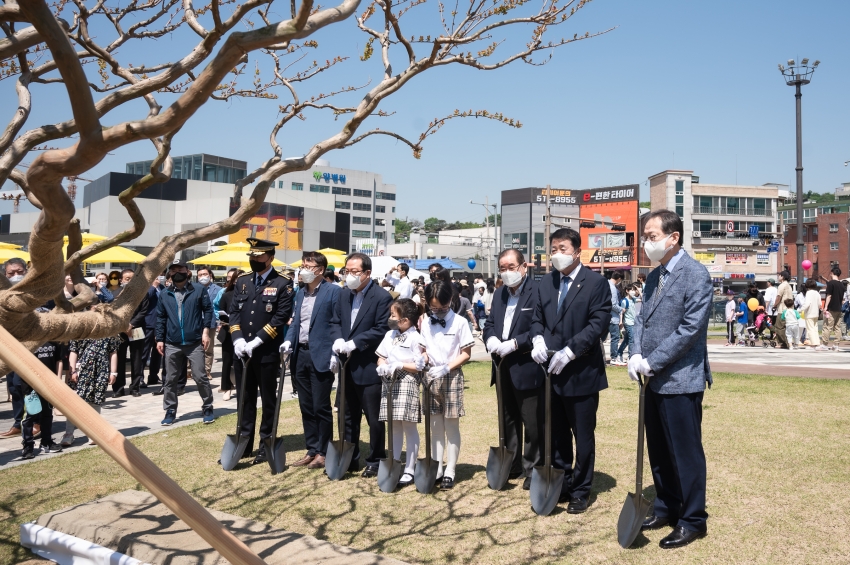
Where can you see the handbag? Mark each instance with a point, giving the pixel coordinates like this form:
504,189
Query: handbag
32,403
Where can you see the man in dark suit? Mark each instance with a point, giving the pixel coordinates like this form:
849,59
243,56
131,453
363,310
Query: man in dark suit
508,339
310,338
572,314
259,312
134,341
669,347
149,352
361,315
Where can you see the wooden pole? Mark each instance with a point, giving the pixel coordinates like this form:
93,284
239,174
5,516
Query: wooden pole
34,372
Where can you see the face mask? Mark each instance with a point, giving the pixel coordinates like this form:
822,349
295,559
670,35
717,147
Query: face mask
511,278
257,266
160,278
122,285
307,276
561,261
440,313
16,279
204,280
102,285
656,250
352,282
632,293
179,277
393,324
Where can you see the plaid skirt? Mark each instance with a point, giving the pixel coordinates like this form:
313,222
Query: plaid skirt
405,398
447,395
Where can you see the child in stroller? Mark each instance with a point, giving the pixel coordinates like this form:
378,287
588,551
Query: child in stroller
756,331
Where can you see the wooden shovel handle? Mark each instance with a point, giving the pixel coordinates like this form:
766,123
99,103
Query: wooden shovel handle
23,362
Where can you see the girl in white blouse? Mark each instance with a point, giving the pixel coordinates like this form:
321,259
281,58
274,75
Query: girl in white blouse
448,345
400,354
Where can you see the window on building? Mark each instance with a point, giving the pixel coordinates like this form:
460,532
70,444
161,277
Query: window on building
380,209
833,246
380,222
810,212
814,248
343,205
385,196
833,228
759,206
363,193
805,230
786,250
705,204
733,205
814,230
342,191
680,198
280,184
361,220
362,207
360,233
320,188
298,186
393,209
381,235
703,225
393,222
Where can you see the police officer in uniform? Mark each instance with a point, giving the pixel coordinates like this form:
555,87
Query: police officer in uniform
259,312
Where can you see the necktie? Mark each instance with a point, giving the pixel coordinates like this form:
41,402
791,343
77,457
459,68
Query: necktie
259,280
662,279
565,288
436,320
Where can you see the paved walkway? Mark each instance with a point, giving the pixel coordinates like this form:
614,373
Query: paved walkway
142,416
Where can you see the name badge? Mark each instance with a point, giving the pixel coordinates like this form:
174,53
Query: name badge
270,291
269,307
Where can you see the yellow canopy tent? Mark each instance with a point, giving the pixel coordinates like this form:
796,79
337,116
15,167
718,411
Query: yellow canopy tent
230,255
10,250
116,254
336,261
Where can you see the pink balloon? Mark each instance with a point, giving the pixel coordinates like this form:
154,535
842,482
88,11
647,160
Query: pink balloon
807,264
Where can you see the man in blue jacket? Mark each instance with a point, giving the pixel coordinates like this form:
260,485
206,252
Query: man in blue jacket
183,317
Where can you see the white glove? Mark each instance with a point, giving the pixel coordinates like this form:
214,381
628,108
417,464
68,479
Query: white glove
347,347
383,370
419,361
493,344
560,360
334,364
238,347
638,365
337,346
644,369
506,348
286,347
251,346
438,371
539,353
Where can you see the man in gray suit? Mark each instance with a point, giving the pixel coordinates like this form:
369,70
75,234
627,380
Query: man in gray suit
670,347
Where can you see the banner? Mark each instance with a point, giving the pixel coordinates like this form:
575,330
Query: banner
614,258
369,247
736,258
705,258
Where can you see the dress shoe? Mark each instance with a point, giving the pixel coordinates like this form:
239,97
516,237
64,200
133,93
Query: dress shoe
448,483
181,392
306,460
260,458
369,472
136,394
118,393
680,537
526,484
577,505
159,392
154,381
318,462
13,432
143,385
406,479
654,523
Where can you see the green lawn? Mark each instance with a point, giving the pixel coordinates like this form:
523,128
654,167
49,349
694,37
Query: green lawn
778,485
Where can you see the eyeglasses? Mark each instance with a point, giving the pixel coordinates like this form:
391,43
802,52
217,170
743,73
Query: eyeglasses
355,273
441,310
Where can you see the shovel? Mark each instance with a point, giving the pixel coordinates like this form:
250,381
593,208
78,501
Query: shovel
339,454
501,459
234,445
636,506
425,474
546,480
389,470
275,451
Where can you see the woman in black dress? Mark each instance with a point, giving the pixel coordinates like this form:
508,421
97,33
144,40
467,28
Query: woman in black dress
228,359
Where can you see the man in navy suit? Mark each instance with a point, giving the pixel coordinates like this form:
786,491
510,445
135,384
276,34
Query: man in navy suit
361,316
669,347
572,314
310,337
508,338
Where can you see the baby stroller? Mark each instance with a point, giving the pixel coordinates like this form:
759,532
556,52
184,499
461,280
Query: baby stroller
762,324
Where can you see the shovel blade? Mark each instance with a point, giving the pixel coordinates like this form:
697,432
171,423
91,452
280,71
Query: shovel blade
499,464
276,454
389,472
546,483
634,512
425,475
231,453
338,459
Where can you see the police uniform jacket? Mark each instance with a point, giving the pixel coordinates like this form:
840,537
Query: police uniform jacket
261,312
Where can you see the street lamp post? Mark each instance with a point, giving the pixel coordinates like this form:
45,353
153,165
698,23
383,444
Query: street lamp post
797,75
487,206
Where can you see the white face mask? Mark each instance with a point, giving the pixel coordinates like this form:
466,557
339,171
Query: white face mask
632,293
511,278
561,261
204,280
307,276
656,250
14,279
352,282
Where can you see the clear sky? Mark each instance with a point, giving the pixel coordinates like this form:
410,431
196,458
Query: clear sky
690,85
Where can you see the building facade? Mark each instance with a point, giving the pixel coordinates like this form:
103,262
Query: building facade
826,234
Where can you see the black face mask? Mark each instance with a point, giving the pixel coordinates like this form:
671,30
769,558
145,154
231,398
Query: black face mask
179,277
257,266
433,277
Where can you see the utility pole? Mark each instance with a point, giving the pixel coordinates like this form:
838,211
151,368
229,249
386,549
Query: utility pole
547,228
487,223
